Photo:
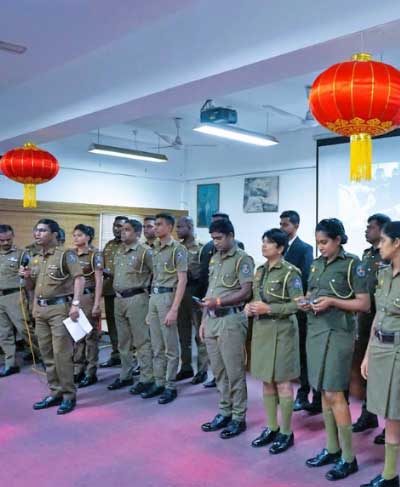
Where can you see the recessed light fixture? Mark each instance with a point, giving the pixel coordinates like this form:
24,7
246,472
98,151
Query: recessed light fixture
12,48
109,150
234,133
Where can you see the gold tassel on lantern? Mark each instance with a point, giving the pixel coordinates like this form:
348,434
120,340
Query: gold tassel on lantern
29,196
360,157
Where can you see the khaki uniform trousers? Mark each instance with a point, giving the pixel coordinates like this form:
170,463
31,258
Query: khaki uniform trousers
130,318
109,304
164,340
57,348
11,317
86,353
225,339
190,314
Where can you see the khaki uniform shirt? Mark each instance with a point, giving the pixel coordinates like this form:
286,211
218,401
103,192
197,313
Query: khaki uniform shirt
228,271
387,298
109,251
90,261
33,249
10,261
133,267
54,271
168,259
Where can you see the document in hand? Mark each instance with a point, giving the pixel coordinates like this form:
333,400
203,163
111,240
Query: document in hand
78,329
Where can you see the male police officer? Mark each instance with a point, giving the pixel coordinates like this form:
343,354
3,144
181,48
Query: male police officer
149,230
58,283
224,327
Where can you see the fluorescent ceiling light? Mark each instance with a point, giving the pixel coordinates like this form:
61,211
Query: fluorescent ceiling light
13,48
235,133
109,150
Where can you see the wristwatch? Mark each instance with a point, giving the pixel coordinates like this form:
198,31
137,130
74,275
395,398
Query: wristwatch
76,302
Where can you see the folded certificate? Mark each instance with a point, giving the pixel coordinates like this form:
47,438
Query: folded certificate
78,329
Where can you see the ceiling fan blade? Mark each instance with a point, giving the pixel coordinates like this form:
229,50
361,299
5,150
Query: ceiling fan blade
167,139
201,145
279,111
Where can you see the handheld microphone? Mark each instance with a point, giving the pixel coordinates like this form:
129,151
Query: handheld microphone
24,263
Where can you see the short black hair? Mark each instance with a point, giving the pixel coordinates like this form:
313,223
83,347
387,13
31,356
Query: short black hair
120,217
86,229
61,235
292,215
222,226
223,216
52,224
392,229
149,218
135,224
277,236
167,217
380,219
333,227
4,228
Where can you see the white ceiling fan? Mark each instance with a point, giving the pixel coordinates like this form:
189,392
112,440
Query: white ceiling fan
177,142
307,122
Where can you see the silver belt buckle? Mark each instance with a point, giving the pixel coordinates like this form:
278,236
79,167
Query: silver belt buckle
155,290
119,295
380,335
42,302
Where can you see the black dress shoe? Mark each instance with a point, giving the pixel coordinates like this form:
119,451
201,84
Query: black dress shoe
47,402
217,423
111,362
315,407
282,443
380,439
199,378
79,377
153,391
10,371
66,406
366,421
184,374
342,469
167,396
267,436
119,384
88,380
324,458
234,428
140,387
379,481
210,383
301,403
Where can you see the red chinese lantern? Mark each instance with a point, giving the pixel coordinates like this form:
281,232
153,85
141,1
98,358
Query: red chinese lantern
30,166
359,99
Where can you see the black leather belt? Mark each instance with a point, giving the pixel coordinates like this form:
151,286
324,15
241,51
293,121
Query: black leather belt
162,289
387,337
53,301
4,292
88,290
128,293
220,312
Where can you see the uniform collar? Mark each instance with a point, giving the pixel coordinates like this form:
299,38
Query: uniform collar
230,252
278,265
82,252
372,251
193,243
132,246
50,250
166,244
5,252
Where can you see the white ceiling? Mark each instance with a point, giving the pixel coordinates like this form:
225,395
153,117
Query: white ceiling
137,64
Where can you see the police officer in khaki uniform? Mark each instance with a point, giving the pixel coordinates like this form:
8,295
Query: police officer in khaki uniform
336,289
13,305
149,230
275,355
381,365
224,327
86,353
189,312
168,287
133,266
109,251
58,283
372,262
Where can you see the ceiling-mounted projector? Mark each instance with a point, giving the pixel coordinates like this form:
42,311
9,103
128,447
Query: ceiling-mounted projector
211,114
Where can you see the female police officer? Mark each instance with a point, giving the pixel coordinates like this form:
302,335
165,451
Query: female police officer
275,356
382,359
86,350
337,288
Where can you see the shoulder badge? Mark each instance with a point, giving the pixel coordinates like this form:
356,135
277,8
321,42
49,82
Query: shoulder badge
71,257
245,269
360,270
296,283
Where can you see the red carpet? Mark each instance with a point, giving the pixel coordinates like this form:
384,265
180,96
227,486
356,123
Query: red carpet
115,439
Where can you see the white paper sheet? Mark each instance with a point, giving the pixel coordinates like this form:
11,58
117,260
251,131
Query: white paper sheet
78,329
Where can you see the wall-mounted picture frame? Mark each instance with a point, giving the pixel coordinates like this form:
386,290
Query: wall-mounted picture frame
261,195
207,203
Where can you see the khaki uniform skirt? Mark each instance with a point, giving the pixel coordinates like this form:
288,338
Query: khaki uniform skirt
275,355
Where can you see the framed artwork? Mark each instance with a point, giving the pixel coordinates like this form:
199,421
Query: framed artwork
261,195
207,203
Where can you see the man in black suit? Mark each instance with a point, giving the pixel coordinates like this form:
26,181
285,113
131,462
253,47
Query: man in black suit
300,254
